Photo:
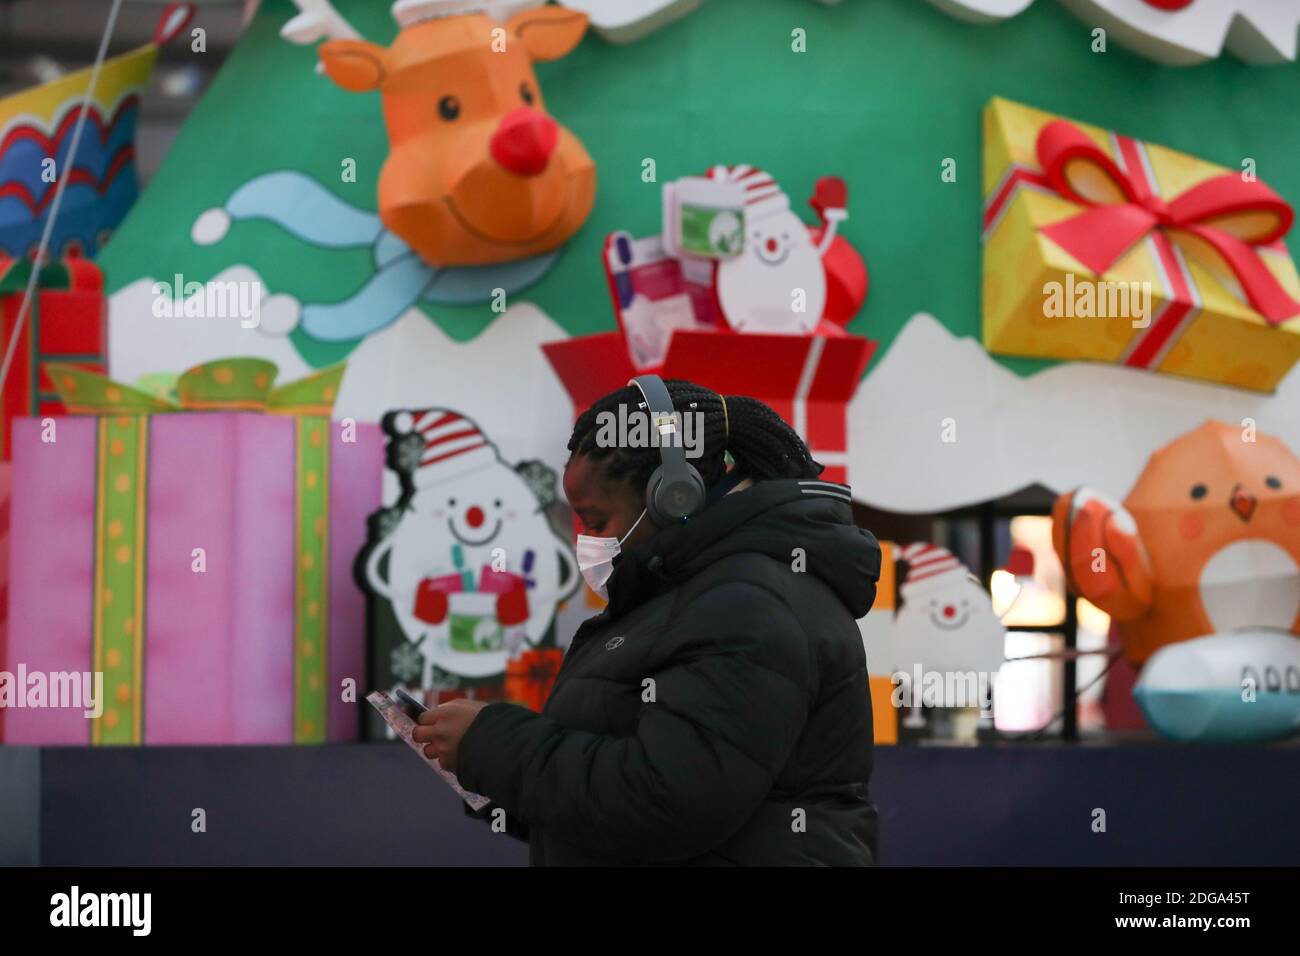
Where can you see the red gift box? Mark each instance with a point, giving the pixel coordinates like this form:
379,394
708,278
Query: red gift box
808,379
67,322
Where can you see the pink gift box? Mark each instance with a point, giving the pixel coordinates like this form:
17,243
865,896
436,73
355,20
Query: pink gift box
218,663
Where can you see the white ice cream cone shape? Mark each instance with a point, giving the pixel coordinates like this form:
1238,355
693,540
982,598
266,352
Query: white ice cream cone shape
778,283
472,525
946,622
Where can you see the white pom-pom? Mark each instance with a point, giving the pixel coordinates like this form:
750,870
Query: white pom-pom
280,314
403,423
210,227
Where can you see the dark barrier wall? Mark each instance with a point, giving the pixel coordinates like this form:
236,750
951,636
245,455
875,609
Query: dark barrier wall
378,805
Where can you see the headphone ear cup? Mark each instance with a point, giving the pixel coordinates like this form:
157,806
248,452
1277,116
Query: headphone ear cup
651,498
668,502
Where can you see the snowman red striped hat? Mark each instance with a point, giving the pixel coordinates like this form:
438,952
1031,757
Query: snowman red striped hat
453,445
930,565
763,197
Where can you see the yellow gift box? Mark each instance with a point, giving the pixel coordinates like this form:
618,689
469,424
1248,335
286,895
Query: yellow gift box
1099,246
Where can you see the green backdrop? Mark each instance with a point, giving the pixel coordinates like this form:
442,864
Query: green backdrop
885,92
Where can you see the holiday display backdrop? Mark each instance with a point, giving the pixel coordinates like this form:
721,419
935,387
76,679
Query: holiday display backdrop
36,131
1099,246
1207,540
466,571
194,551
65,321
849,104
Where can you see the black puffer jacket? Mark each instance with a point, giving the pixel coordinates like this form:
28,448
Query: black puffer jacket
722,691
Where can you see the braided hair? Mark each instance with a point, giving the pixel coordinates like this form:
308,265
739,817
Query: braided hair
759,440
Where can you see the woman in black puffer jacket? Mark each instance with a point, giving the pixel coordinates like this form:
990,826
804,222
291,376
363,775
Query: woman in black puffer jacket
717,712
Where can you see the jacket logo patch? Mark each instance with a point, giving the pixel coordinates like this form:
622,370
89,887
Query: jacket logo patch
613,642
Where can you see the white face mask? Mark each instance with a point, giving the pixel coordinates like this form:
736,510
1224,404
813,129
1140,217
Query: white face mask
596,557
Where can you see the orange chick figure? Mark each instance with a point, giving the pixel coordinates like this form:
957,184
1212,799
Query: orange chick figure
1207,541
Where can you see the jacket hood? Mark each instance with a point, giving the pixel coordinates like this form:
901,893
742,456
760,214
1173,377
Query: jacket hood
772,517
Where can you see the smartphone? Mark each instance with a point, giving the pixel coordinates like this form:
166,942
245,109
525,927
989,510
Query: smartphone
408,704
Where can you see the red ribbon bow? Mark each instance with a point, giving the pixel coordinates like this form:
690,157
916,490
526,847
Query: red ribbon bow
1228,214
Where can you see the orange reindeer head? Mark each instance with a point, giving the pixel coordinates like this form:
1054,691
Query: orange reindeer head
478,172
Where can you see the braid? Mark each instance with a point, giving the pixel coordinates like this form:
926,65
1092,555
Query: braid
759,440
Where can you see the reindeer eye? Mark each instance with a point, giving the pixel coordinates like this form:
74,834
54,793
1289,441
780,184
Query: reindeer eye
449,108
1273,482
1199,492
526,93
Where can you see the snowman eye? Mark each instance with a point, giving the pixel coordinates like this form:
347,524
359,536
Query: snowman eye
451,502
497,503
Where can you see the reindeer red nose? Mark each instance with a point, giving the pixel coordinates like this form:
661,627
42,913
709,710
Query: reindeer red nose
524,141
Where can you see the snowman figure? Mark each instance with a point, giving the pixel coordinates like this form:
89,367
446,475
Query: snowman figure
474,570
778,283
946,623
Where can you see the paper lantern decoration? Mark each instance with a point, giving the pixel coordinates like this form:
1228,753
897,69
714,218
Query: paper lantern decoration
1207,541
1226,688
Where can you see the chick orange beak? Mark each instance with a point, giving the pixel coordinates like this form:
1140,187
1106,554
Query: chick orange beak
1242,502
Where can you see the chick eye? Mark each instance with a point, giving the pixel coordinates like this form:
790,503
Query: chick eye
449,108
526,93
1199,492
1273,482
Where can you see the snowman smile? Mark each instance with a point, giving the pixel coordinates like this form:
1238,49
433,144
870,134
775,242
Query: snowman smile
451,526
772,252
949,617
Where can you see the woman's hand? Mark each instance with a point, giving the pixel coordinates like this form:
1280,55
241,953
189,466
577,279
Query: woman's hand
442,727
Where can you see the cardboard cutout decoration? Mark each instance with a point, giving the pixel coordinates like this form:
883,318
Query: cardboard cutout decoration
1099,246
478,172
1224,689
471,207
311,213
67,320
467,563
203,558
1173,32
36,128
930,615
626,21
1207,541
778,283
761,313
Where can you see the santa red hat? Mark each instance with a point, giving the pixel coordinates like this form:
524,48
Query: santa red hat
763,197
453,445
930,565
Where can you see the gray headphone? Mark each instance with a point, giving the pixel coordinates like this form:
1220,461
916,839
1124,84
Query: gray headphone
675,490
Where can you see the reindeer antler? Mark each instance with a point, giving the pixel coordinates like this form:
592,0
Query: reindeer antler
317,21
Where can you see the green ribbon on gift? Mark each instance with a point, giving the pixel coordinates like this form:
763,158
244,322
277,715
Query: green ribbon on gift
234,384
